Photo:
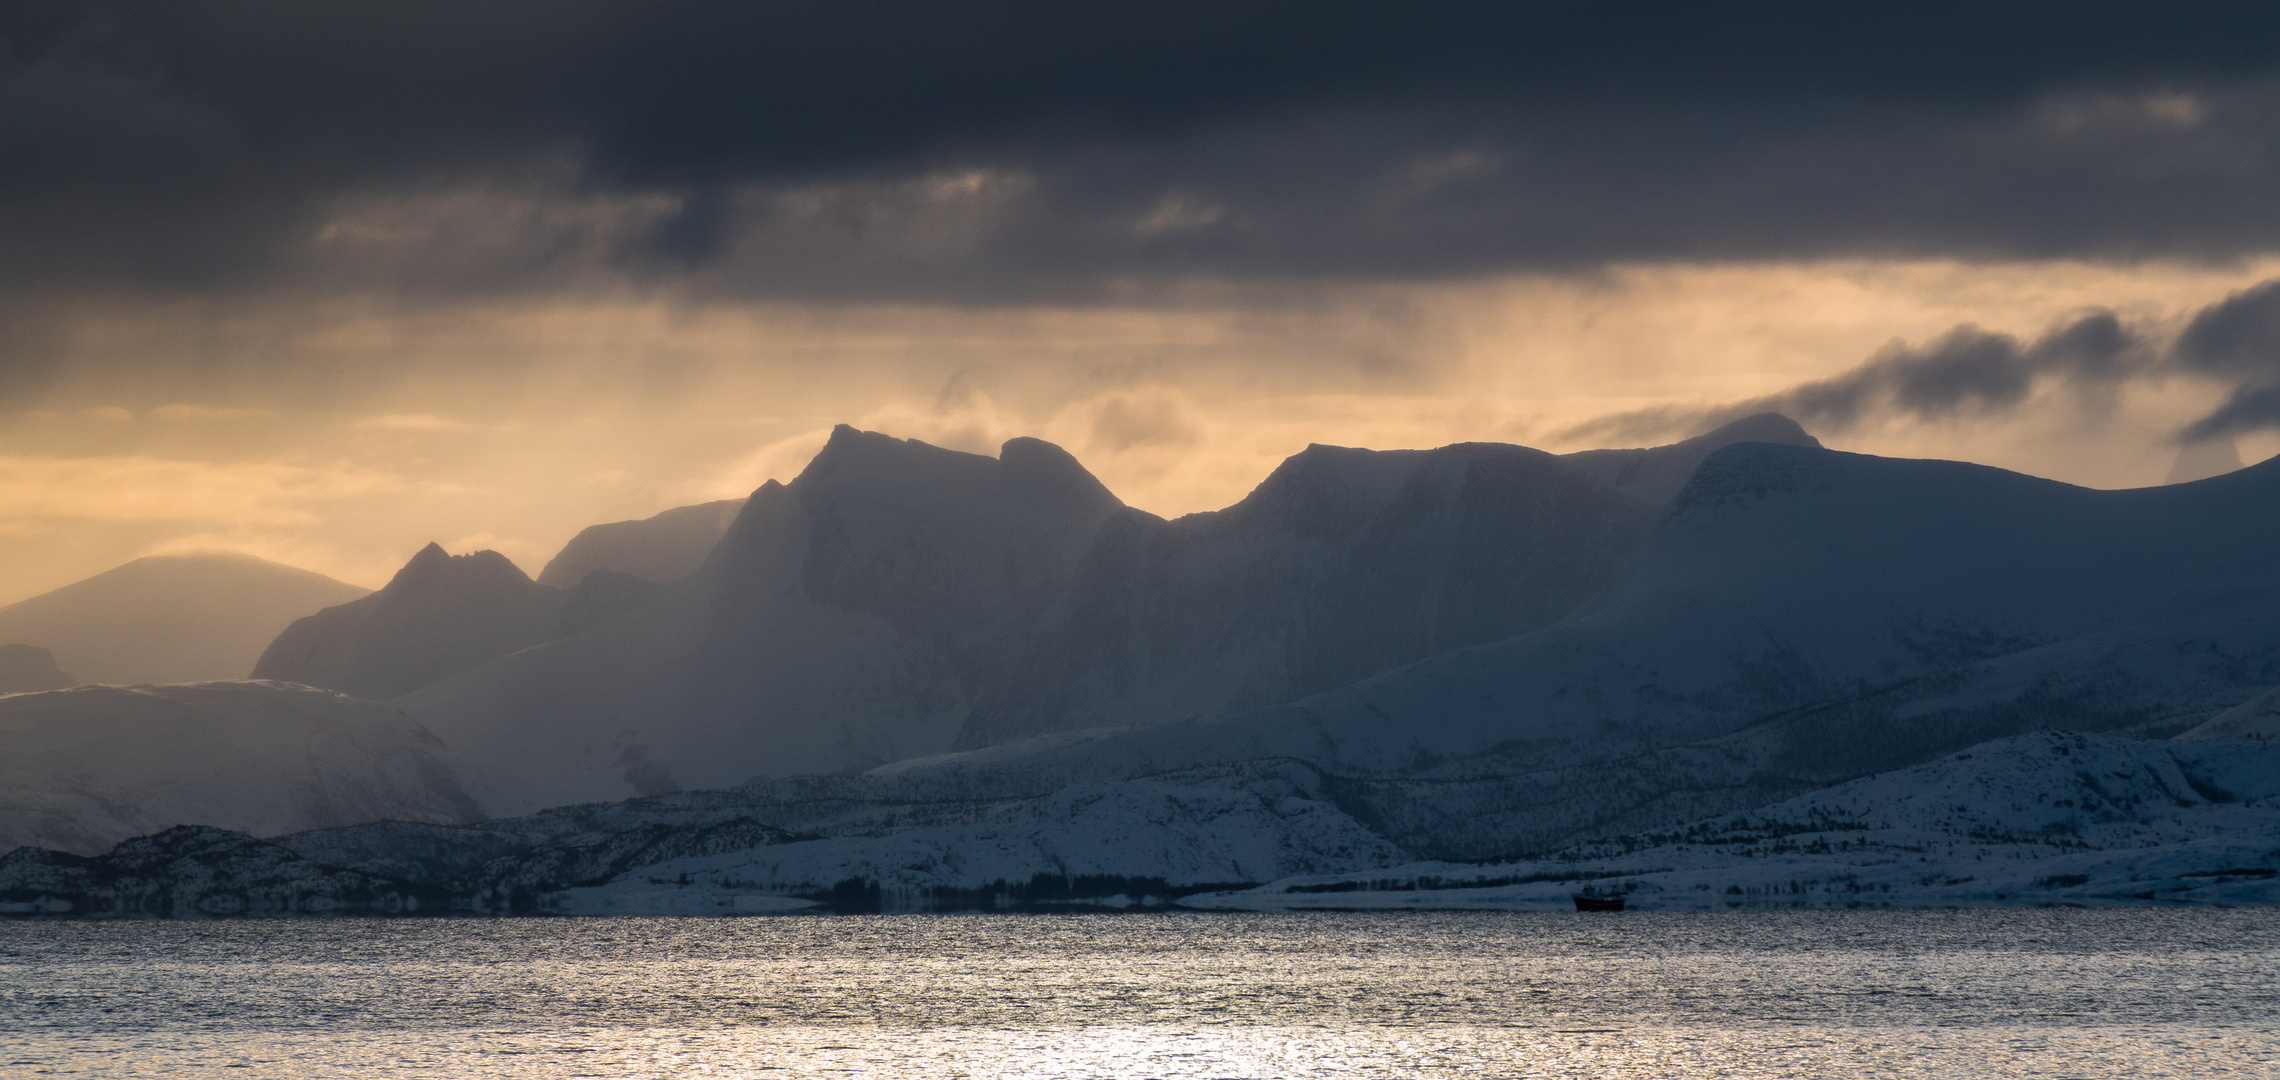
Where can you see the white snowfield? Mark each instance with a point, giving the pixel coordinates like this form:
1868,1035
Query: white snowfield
1228,825
2257,718
2047,818
88,767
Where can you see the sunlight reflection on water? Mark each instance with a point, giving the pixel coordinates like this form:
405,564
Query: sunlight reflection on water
1986,993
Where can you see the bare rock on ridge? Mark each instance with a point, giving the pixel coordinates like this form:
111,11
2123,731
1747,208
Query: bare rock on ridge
171,618
28,669
665,547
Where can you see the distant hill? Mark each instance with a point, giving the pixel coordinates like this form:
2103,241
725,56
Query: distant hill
170,618
660,548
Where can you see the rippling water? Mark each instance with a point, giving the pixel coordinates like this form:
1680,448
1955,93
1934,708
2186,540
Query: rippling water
1966,994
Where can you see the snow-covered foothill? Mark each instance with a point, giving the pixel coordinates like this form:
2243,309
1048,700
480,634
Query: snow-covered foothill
1207,826
2257,718
88,767
2051,817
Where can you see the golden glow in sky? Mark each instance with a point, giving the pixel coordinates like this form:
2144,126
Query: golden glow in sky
340,435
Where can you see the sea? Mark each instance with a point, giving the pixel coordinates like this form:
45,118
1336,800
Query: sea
1972,993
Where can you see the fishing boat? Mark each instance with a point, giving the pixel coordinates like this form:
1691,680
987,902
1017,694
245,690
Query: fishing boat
1593,900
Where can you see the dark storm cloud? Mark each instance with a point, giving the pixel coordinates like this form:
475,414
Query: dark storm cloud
1968,371
2237,339
826,147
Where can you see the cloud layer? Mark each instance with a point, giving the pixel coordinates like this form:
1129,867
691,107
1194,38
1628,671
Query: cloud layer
1970,372
891,148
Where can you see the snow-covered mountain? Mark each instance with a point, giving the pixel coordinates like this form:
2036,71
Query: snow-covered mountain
170,618
842,622
663,547
1793,619
898,600
1799,617
28,668
88,767
442,614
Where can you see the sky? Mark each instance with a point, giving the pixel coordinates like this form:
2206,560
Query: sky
323,281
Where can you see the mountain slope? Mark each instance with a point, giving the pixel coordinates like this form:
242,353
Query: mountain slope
898,600
664,547
842,622
170,618
1342,564
440,615
1800,617
88,767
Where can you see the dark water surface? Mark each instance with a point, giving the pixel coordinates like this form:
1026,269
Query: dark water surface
2045,993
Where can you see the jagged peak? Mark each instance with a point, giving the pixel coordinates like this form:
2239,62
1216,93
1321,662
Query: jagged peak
1766,427
1748,471
850,450
1333,476
1035,463
434,567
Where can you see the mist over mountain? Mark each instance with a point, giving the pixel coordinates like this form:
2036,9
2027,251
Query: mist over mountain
838,624
1798,618
898,600
662,547
170,618
29,668
1342,564
440,615
89,767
